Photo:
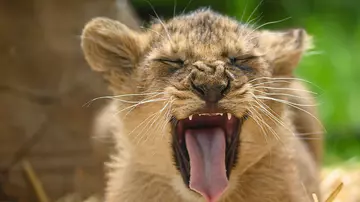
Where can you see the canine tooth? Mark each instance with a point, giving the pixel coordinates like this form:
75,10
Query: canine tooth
229,116
221,114
190,117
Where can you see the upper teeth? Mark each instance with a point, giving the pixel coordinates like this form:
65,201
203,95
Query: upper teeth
211,114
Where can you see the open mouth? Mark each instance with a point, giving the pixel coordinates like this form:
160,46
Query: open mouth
205,150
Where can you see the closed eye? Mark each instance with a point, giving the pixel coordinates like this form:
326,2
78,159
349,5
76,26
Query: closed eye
240,62
177,62
243,58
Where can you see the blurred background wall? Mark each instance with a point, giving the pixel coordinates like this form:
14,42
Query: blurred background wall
44,83
44,80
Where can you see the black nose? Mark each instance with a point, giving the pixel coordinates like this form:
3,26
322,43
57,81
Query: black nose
211,93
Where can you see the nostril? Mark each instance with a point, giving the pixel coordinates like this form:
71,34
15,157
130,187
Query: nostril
198,89
226,88
210,93
213,95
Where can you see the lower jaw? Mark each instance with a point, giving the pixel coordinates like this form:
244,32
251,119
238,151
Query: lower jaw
231,155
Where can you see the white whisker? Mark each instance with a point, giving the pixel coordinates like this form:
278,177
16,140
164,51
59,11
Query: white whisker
255,20
162,36
285,101
152,121
290,89
259,78
140,124
252,13
157,117
272,22
174,12
270,82
311,53
244,11
303,111
255,118
310,133
123,95
285,79
267,125
189,2
148,101
272,114
161,22
308,138
150,118
283,94
141,102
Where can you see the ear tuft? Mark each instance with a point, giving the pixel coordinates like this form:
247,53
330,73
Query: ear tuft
110,45
285,49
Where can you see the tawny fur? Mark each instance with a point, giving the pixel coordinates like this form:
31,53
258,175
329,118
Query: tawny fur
278,157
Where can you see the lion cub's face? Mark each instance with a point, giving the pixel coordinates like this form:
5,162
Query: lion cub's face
204,77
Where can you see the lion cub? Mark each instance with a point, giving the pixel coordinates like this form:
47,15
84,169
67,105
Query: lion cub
207,109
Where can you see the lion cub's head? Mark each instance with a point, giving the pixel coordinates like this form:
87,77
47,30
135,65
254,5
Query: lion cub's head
190,90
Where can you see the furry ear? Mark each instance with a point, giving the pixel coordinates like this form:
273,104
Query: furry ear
285,49
112,48
110,44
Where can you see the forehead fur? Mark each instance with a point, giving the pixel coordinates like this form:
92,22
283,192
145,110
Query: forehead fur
203,31
122,54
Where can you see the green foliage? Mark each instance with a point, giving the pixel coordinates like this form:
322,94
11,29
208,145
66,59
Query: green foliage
333,66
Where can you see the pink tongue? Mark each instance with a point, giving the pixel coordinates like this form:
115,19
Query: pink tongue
206,150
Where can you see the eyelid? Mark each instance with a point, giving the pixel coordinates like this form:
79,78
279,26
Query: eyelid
246,57
240,62
165,60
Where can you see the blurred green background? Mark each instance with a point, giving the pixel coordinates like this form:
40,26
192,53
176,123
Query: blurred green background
333,66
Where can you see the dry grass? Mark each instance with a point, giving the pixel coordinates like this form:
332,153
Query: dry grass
341,184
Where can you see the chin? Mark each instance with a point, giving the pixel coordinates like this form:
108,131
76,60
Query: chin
205,148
